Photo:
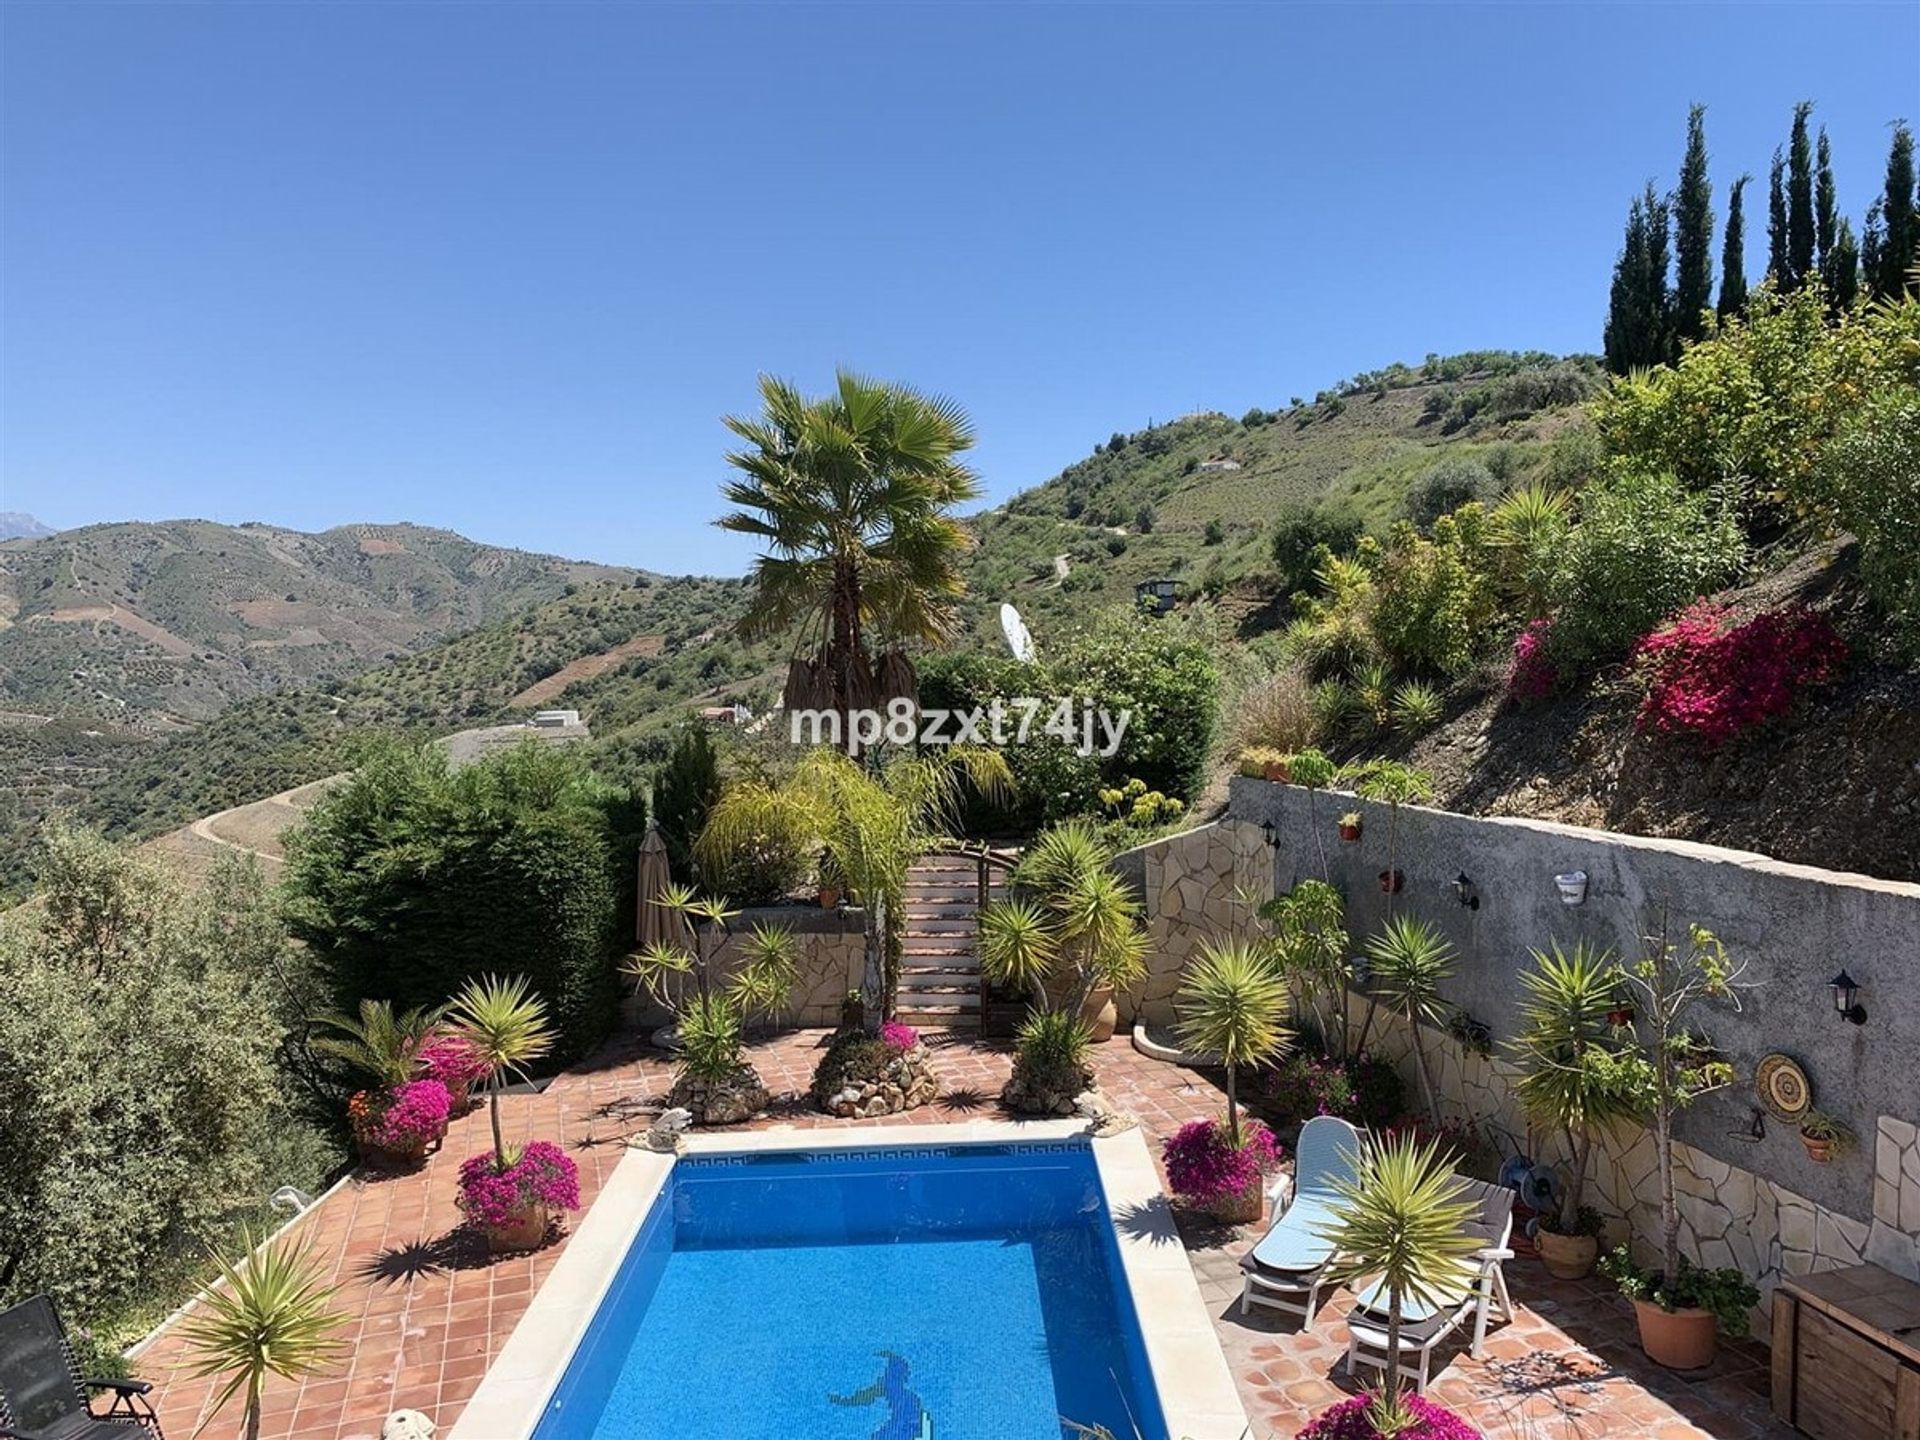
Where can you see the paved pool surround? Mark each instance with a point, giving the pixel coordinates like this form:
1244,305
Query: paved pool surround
1196,1388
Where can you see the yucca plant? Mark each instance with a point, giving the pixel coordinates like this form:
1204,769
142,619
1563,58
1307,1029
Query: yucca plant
711,1038
1232,1003
1528,529
1054,1042
379,1044
1372,687
1416,707
1408,960
272,1314
1577,1075
1402,1226
507,1026
769,969
1072,920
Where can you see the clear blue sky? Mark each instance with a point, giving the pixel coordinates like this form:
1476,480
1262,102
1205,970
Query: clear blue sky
503,267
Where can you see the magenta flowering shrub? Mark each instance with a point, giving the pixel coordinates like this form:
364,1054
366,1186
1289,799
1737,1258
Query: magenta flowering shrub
407,1117
1204,1167
453,1060
1533,675
1711,679
900,1037
1351,1420
543,1175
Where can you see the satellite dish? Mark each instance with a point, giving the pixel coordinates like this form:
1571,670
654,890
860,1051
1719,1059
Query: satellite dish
1019,638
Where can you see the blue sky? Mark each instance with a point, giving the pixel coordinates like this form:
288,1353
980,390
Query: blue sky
503,267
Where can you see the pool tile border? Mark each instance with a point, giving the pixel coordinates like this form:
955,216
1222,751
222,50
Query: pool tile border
1197,1392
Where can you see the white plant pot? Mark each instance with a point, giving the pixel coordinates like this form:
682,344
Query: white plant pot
1572,886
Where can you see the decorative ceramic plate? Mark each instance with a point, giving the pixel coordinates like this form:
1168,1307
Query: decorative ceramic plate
1783,1086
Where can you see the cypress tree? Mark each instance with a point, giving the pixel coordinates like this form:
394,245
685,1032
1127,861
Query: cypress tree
1622,341
1800,198
1662,345
1899,230
1777,265
1870,248
1733,255
1693,233
1825,209
1842,267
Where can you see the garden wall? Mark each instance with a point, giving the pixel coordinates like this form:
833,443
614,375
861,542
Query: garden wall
1758,1203
831,959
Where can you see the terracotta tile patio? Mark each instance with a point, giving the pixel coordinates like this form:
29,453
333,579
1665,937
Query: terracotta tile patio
430,1312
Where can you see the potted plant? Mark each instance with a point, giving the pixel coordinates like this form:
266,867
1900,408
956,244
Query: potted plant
1579,1075
271,1314
853,1010
394,1128
507,1025
1208,1168
513,1201
1071,934
831,884
1824,1136
1307,938
1392,882
1231,1003
1350,826
1679,1306
1620,1011
451,1058
1402,1225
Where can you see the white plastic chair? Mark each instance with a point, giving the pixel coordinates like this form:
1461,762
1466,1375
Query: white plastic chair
1291,1260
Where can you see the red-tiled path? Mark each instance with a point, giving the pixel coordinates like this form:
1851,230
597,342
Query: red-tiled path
430,1311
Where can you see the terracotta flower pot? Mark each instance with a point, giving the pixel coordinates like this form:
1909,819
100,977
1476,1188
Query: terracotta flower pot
1677,1339
1350,833
1819,1151
829,898
1620,1017
1246,1207
525,1232
1393,881
1278,770
1099,1013
384,1157
1567,1257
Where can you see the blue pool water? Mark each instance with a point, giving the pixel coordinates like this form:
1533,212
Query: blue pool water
937,1293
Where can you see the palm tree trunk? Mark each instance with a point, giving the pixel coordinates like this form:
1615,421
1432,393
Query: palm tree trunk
1581,1143
874,976
1233,1112
1390,1379
493,1109
250,1421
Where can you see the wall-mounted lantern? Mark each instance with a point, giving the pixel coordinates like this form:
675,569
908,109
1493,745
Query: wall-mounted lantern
1572,886
1466,892
1846,999
1269,834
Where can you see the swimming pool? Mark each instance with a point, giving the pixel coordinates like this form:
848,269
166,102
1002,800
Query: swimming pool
858,1288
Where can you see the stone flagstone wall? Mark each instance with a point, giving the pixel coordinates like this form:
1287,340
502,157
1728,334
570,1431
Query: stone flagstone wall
1191,886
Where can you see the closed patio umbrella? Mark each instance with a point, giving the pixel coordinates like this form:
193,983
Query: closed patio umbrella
652,924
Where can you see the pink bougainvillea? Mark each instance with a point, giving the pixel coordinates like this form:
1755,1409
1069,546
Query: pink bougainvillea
453,1060
900,1037
542,1175
1712,679
1352,1420
1533,675
407,1117
1204,1167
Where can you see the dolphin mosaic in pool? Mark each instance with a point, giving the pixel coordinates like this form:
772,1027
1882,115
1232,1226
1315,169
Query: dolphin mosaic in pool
907,1417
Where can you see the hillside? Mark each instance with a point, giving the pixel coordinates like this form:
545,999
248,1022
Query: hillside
150,626
1194,499
17,525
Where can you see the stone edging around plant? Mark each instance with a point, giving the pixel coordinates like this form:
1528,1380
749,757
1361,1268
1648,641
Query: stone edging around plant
907,1083
720,1102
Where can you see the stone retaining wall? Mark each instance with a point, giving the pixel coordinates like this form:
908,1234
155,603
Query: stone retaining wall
1191,886
831,959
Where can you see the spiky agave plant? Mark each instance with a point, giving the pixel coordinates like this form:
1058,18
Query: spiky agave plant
1402,1227
507,1025
272,1314
1232,1002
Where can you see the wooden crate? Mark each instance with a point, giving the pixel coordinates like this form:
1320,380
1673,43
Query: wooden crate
1845,1366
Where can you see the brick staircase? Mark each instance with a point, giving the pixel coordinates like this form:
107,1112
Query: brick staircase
939,962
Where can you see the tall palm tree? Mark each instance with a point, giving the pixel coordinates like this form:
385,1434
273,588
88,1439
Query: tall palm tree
1408,961
1232,1003
507,1025
273,1315
870,824
1403,1224
852,494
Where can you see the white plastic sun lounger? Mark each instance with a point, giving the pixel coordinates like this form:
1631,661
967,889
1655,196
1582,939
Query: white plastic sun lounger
1424,1324
1287,1269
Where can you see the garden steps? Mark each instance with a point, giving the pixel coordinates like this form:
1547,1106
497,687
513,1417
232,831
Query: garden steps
939,961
